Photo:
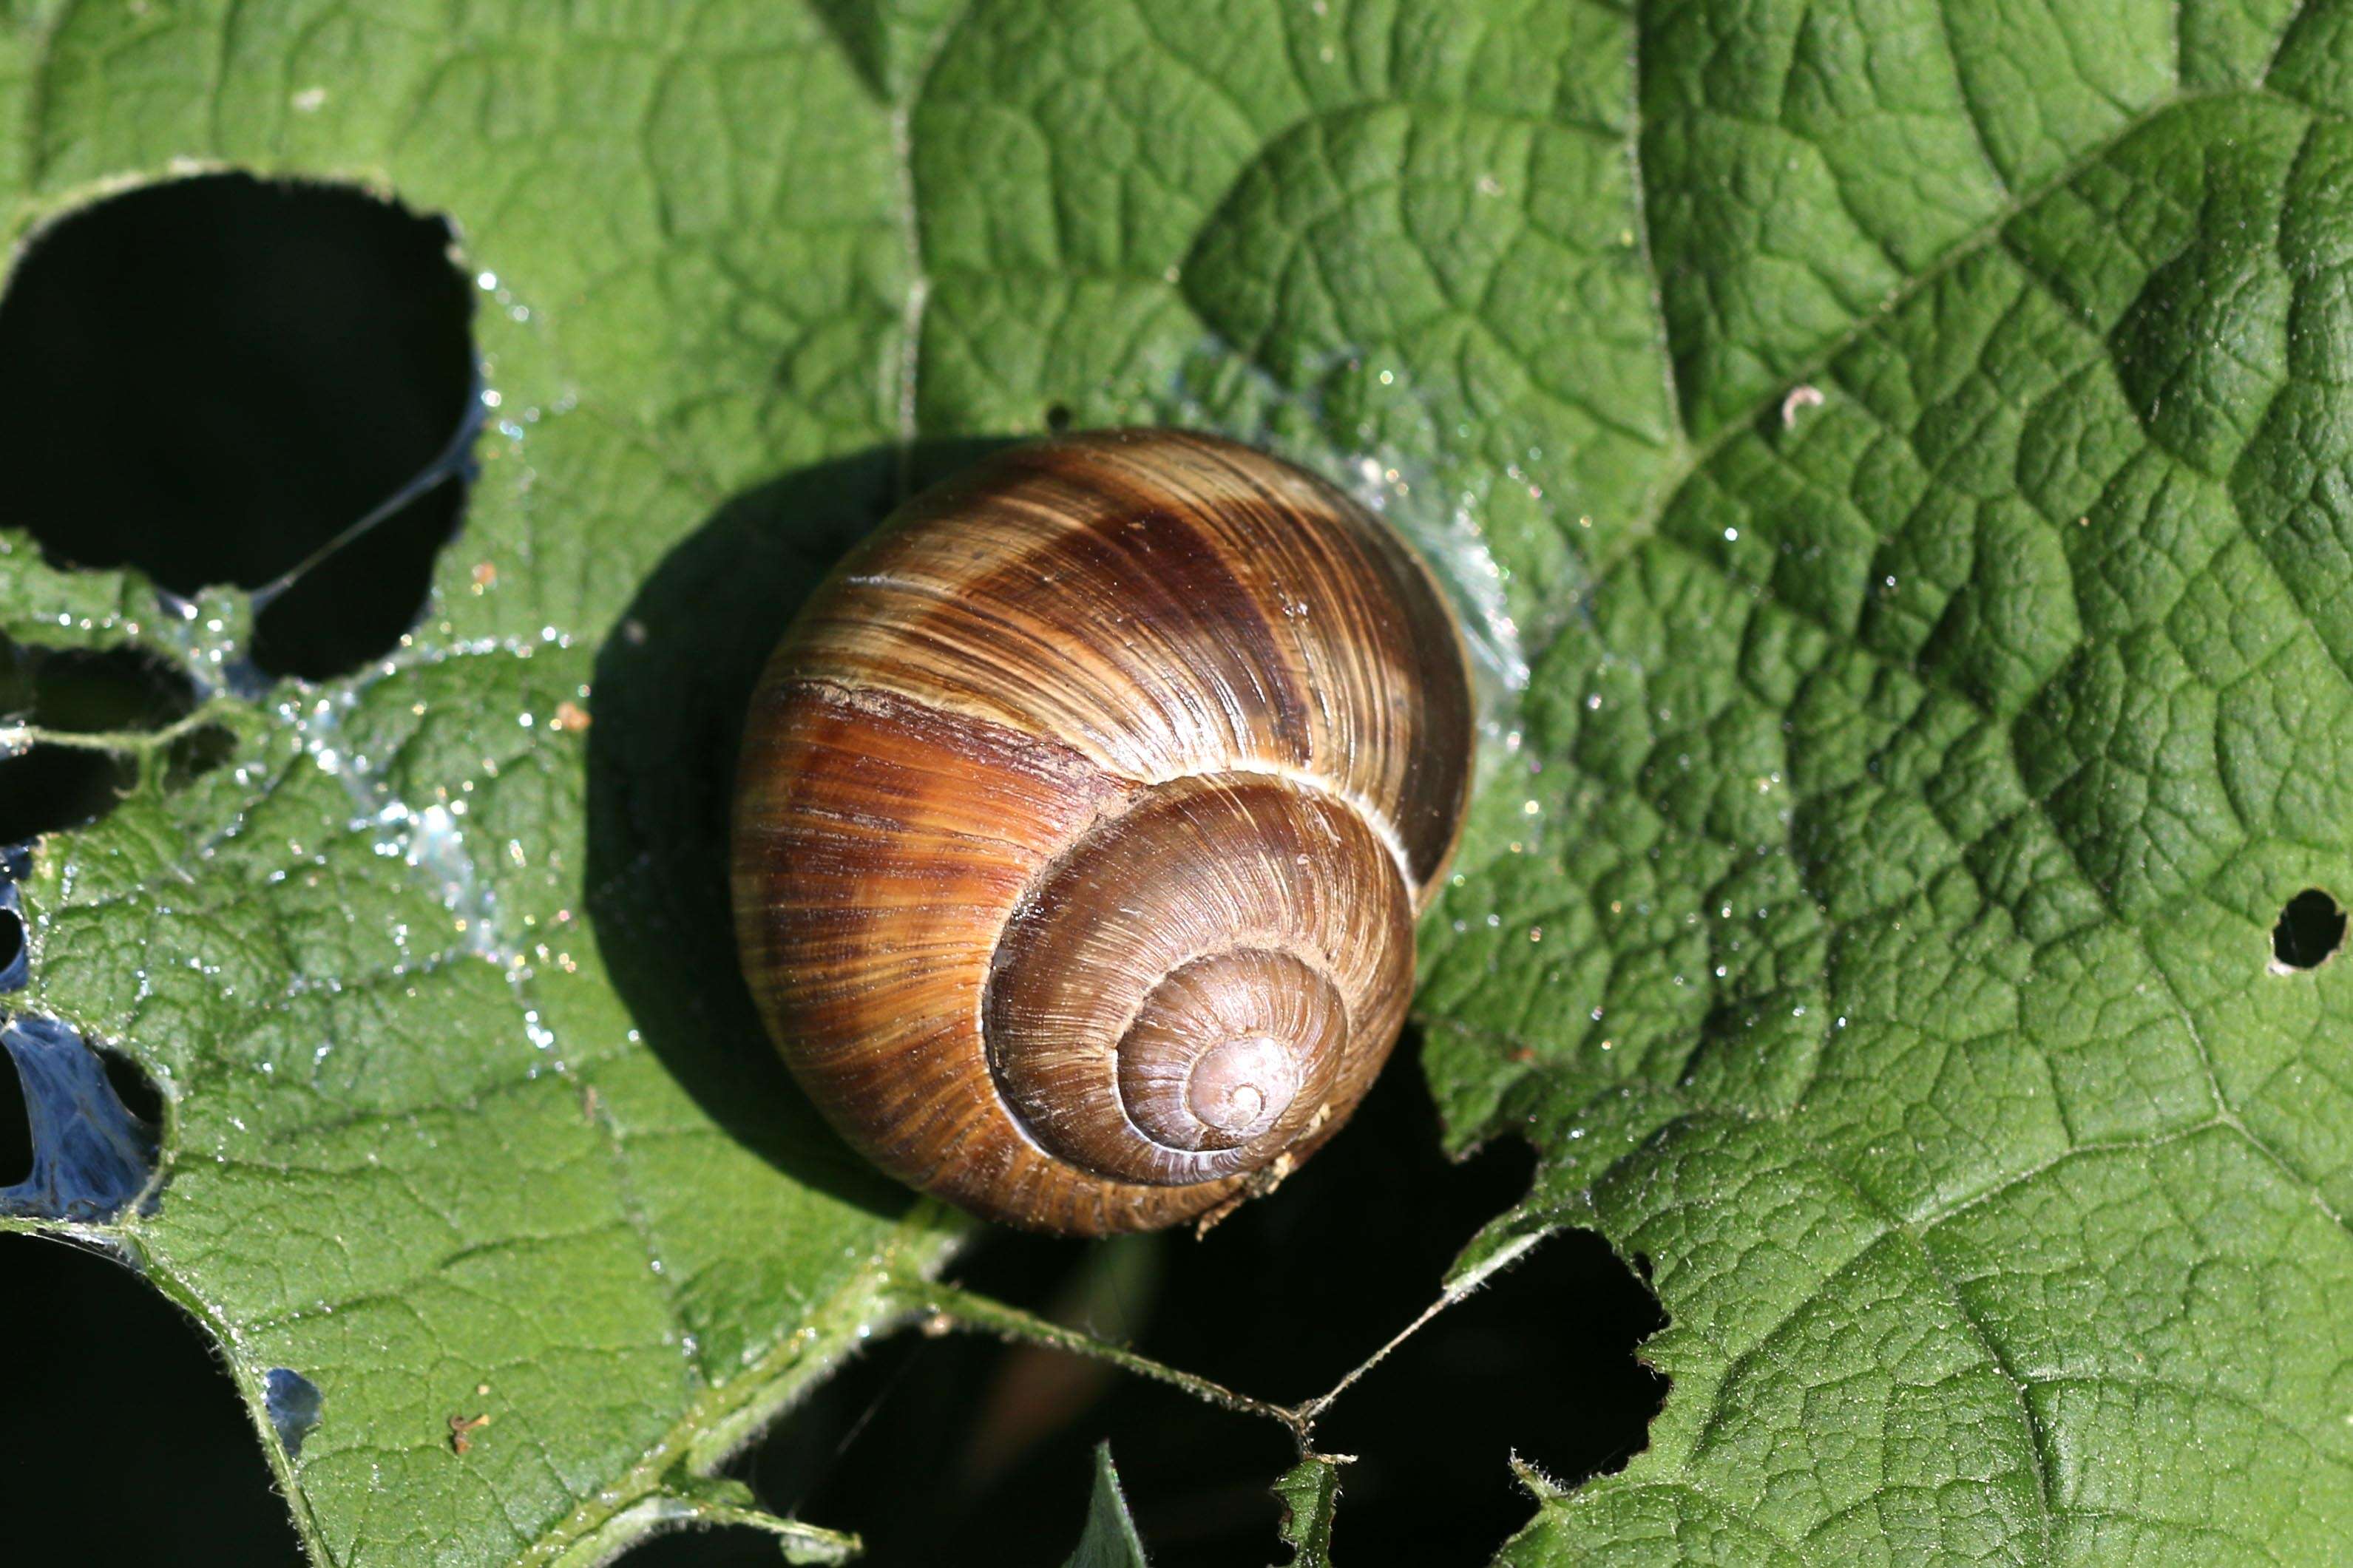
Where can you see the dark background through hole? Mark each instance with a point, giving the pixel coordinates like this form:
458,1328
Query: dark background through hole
2311,927
208,379
85,691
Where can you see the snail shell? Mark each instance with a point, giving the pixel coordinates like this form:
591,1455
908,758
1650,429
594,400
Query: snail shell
1081,823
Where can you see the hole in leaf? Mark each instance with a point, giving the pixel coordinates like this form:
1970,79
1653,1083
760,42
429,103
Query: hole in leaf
1057,418
90,1155
2311,929
108,1380
16,954
92,691
292,1403
213,378
83,691
51,787
1540,1363
197,753
1280,1300
131,1086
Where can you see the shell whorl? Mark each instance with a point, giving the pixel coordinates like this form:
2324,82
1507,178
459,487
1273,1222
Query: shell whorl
1237,925
1081,823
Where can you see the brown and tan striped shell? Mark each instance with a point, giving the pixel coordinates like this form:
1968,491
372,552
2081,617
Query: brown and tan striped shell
1082,820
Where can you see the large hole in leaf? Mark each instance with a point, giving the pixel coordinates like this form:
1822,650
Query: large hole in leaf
1538,1365
86,692
77,1124
1280,1300
2311,929
122,1427
213,379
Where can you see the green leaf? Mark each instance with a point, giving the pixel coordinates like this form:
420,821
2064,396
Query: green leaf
1310,1495
1908,440
1110,1540
468,1116
1885,958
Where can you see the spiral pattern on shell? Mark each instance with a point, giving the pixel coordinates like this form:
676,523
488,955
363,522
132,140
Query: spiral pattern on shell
1082,820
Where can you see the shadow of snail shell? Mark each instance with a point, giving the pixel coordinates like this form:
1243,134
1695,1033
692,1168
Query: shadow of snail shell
1082,820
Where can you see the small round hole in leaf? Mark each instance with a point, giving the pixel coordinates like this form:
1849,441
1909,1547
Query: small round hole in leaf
1057,418
2311,929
